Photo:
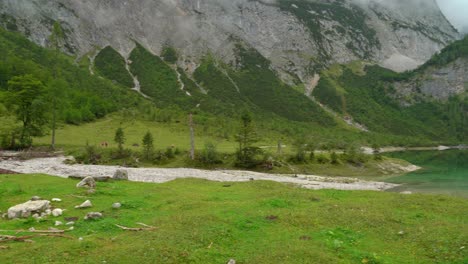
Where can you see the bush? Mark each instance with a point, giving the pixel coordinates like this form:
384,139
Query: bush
209,155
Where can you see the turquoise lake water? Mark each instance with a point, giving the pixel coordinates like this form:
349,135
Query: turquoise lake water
444,172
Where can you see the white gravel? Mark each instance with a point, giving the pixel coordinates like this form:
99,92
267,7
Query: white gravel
56,166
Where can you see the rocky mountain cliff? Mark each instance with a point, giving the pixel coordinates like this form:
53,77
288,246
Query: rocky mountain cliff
298,36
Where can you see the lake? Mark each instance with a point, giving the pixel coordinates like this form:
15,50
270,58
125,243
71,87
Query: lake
444,172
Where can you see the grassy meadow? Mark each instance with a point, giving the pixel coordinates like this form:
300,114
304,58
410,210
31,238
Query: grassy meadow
254,222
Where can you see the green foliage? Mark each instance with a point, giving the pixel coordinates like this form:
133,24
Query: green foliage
148,147
25,96
246,153
368,100
158,80
119,138
169,54
84,98
209,155
261,86
111,65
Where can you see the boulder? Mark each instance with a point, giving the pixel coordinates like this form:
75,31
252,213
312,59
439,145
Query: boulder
121,175
116,205
87,182
28,208
93,216
85,204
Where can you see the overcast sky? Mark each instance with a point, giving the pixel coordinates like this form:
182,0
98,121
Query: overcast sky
457,12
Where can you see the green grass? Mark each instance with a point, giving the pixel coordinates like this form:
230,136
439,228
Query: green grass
255,222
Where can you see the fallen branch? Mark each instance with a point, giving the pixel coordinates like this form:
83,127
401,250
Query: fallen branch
4,238
57,235
147,228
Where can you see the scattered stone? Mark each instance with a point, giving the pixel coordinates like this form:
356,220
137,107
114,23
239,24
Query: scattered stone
26,209
35,198
48,211
80,239
36,215
85,204
32,229
401,233
71,228
231,261
44,214
70,223
56,200
71,219
58,223
87,182
93,216
121,175
57,212
116,205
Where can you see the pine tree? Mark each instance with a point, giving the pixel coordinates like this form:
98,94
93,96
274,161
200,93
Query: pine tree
246,138
120,139
148,147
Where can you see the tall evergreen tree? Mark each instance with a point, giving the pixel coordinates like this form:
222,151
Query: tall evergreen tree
148,147
120,139
246,138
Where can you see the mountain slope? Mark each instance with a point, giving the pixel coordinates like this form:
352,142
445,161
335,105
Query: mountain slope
297,36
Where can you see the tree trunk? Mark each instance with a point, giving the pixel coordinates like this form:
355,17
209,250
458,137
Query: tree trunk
192,140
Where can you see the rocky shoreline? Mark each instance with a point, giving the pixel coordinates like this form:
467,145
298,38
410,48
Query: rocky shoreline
56,166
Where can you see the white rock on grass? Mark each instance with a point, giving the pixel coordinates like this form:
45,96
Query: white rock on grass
87,182
70,223
56,200
57,212
26,209
58,223
116,205
85,204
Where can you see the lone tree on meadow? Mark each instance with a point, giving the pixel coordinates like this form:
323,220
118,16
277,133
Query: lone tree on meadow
246,138
120,139
148,147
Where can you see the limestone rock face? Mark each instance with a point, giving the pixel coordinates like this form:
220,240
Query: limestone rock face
28,208
436,83
295,35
